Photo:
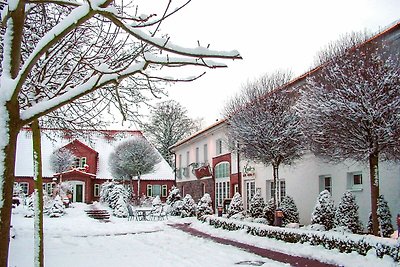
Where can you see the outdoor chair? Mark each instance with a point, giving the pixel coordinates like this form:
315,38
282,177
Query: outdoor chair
132,214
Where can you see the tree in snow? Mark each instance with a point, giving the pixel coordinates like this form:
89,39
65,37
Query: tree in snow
173,195
264,126
120,208
169,123
56,208
236,205
289,209
100,66
156,201
133,158
204,207
256,206
346,215
189,207
324,210
351,107
269,211
384,218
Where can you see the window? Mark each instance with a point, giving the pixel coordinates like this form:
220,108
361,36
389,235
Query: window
250,191
96,191
187,158
156,190
164,190
222,170
325,183
24,187
149,190
219,146
222,184
197,155
180,161
355,181
281,189
82,162
236,188
205,153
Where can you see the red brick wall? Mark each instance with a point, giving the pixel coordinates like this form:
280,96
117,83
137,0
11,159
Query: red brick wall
195,188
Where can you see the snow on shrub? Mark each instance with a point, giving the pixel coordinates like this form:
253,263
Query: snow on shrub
204,207
385,228
324,211
256,206
188,207
343,242
236,205
120,209
289,209
116,196
346,215
156,201
56,208
269,211
174,201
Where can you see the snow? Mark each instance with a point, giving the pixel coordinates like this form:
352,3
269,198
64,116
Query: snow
118,243
135,243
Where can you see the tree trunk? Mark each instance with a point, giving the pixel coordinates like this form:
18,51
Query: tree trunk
38,200
374,183
9,123
276,185
138,189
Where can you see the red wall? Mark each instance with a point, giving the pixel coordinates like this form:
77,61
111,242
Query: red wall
81,150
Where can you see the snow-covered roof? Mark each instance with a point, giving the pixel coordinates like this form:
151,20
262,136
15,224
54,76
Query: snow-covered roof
102,142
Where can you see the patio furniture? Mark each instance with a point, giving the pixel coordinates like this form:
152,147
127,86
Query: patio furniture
132,214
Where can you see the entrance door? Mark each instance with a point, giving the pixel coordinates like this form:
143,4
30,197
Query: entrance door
78,193
250,191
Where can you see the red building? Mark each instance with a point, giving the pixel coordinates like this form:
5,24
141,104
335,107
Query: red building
90,170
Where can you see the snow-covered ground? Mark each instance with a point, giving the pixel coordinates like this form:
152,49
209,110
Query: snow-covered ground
77,240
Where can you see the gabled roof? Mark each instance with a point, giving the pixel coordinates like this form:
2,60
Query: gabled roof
76,142
102,142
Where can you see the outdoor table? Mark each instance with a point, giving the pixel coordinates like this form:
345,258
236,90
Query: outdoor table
143,212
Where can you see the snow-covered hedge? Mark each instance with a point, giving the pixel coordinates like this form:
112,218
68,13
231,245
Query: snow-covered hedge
343,242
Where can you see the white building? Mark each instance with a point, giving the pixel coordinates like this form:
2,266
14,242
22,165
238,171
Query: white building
229,173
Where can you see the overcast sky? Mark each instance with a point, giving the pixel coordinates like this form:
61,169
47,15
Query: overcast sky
270,35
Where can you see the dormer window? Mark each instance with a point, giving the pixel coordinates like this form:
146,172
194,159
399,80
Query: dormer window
80,162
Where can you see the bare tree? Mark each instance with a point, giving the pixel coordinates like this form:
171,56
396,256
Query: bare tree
264,125
133,158
62,160
169,123
351,109
103,66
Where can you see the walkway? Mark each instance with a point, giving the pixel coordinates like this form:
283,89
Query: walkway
270,254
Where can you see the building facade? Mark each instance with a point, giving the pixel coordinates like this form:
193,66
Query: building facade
90,170
230,173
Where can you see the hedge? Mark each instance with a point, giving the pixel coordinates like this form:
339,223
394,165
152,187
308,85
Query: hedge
343,242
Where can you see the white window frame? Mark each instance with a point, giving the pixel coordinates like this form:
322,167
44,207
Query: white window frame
350,181
205,153
82,162
21,185
322,185
164,190
218,146
96,190
149,190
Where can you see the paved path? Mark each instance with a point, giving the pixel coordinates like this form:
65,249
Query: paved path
270,254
